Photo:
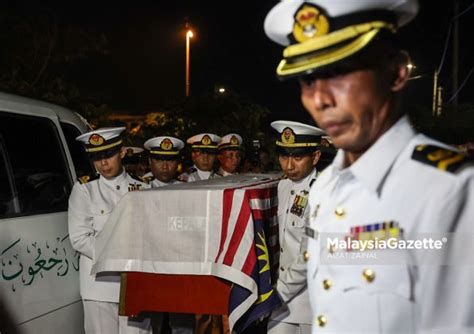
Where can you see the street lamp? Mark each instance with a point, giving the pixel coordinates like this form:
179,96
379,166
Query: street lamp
189,35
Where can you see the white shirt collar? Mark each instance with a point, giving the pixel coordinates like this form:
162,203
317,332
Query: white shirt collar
224,173
373,166
203,175
307,179
116,180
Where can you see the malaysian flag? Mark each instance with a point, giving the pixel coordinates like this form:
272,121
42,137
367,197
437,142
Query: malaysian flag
225,227
254,209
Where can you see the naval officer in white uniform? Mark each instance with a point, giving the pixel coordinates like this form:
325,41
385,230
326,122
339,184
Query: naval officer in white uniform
203,154
298,153
387,182
90,204
230,154
164,157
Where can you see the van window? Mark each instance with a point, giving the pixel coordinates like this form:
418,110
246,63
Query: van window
35,165
8,201
82,164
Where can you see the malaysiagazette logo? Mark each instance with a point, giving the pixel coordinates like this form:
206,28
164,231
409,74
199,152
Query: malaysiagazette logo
348,244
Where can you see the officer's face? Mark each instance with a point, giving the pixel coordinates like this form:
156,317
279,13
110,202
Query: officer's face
164,170
229,160
355,108
203,160
110,167
297,167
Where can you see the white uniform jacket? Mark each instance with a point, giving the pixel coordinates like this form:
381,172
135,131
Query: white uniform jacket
293,216
195,174
406,186
90,205
155,183
222,173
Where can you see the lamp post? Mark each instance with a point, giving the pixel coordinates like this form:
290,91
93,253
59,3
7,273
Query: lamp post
189,35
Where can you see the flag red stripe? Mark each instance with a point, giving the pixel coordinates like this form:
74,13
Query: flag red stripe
239,231
265,214
250,262
226,210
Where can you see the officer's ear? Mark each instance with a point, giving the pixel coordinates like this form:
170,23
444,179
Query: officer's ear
401,71
123,152
316,155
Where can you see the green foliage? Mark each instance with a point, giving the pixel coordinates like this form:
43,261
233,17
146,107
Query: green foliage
220,115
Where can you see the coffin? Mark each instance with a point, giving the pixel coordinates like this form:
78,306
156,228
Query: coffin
207,247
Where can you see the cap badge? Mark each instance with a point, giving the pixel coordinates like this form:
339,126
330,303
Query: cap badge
96,140
206,140
287,136
309,22
234,140
166,144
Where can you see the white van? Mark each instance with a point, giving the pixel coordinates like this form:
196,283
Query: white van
39,162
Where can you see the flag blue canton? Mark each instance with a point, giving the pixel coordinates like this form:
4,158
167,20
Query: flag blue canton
268,299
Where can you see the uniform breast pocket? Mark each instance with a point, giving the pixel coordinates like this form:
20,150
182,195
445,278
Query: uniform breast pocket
375,298
100,214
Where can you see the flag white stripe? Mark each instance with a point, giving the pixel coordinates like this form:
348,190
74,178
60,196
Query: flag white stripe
237,200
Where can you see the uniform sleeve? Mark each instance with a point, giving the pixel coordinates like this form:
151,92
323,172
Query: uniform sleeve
81,232
292,280
447,291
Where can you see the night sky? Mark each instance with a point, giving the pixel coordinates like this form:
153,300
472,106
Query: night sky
145,68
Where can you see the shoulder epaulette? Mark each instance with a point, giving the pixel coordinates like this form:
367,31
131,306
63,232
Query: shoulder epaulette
87,178
146,179
136,178
440,157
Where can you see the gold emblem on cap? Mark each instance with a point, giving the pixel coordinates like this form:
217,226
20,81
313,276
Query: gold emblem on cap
287,136
96,140
234,140
309,23
206,140
166,144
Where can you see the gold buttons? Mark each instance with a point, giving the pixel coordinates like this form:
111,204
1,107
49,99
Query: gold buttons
282,268
369,275
327,284
292,223
321,320
306,256
340,212
101,212
118,187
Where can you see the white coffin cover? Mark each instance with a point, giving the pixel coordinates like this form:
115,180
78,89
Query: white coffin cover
177,230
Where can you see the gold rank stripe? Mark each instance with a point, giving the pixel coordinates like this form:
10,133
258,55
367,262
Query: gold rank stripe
103,148
226,146
444,164
279,143
326,58
336,37
204,146
165,152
